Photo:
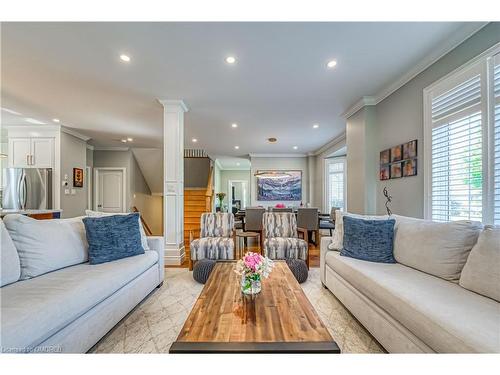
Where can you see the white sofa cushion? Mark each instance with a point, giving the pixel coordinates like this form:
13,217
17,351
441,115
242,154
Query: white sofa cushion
144,239
338,233
445,316
481,272
35,309
440,249
10,266
47,245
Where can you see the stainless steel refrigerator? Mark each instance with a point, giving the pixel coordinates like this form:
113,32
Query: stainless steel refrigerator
27,188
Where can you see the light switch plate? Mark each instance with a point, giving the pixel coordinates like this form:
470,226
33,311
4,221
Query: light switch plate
66,191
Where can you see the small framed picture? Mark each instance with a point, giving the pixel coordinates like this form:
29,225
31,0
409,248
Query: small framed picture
410,150
385,156
396,170
77,177
396,154
385,172
410,168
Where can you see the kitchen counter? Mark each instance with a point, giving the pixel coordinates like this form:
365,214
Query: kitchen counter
36,214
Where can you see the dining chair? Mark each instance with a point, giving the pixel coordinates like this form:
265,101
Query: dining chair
281,240
274,209
217,238
253,220
308,219
330,223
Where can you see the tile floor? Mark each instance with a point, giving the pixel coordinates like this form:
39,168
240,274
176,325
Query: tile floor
155,324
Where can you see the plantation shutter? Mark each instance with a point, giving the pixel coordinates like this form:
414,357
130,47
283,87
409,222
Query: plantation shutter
496,141
456,151
336,183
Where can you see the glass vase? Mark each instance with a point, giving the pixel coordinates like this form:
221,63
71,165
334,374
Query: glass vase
251,284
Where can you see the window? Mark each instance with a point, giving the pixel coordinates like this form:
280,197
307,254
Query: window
496,142
462,143
335,183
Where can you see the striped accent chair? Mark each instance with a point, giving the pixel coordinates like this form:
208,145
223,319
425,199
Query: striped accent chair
216,238
281,240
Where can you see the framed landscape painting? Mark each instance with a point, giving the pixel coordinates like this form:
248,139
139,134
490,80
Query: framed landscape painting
279,186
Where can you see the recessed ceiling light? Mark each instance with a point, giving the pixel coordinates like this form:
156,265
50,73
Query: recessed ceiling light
124,140
331,64
315,126
236,147
194,140
56,120
125,58
130,139
295,147
272,140
238,164
230,59
234,125
33,121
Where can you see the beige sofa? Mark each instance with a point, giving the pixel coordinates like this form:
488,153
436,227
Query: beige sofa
430,300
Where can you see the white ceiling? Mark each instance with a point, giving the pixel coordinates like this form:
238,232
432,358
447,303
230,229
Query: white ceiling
232,163
279,86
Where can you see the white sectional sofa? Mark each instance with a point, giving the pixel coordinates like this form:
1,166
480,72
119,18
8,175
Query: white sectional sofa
70,308
420,304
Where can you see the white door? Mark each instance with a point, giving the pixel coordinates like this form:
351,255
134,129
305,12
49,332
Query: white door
19,152
110,190
42,152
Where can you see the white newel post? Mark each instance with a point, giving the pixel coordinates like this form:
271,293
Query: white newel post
173,188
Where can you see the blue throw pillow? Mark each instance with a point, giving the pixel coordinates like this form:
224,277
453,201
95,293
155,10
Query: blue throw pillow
113,237
370,240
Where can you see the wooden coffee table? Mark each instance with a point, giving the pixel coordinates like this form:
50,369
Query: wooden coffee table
280,319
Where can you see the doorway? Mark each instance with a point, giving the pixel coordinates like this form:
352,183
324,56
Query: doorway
110,190
237,195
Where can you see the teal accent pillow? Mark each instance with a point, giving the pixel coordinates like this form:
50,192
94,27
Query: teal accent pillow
370,240
113,237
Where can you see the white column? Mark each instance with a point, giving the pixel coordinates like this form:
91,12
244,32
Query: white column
173,188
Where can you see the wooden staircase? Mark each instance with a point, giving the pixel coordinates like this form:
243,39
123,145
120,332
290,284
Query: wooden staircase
196,202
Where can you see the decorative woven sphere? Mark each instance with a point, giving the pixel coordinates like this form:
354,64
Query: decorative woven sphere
298,268
202,270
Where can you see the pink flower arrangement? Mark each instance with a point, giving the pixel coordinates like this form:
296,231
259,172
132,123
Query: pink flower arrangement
254,264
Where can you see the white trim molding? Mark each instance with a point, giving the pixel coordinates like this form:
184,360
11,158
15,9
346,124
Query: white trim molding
338,139
430,59
277,156
74,133
98,148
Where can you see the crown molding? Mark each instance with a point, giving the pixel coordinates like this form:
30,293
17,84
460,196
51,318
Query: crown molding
278,155
430,59
90,147
218,164
176,103
76,134
97,148
335,141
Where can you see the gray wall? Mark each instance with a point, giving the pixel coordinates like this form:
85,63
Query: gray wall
73,155
361,173
399,119
196,172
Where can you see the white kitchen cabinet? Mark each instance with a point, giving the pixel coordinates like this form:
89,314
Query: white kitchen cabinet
42,152
31,152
